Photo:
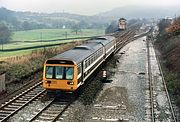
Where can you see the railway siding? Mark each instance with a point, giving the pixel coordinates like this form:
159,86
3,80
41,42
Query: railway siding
161,103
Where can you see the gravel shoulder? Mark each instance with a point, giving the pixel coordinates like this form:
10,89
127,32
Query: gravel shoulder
125,94
124,97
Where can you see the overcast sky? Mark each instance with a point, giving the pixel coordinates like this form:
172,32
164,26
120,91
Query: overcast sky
85,7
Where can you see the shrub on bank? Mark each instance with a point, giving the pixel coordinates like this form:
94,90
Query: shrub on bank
169,47
21,67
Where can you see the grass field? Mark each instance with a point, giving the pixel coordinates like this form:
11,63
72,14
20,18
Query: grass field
21,39
25,52
50,34
15,53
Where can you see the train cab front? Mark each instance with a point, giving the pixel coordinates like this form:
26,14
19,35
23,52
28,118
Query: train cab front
60,75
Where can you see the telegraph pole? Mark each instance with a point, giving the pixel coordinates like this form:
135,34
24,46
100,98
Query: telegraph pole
66,34
41,36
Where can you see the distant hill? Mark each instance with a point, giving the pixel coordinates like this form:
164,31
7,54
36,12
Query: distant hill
33,20
64,18
17,20
130,12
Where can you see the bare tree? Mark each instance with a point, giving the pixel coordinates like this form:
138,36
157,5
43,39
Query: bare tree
76,28
5,34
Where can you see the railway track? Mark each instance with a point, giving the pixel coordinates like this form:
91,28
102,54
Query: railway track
52,111
153,90
22,87
14,105
56,109
150,84
124,38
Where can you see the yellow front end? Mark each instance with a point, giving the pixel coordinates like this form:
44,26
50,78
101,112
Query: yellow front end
60,77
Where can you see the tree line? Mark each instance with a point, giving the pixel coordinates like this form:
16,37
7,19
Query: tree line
21,21
174,27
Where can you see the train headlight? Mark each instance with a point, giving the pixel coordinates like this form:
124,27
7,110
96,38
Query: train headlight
70,83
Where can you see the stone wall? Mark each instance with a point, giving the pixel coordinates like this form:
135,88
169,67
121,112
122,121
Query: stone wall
2,82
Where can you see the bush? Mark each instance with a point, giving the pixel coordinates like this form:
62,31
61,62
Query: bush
174,28
169,46
15,72
172,83
20,67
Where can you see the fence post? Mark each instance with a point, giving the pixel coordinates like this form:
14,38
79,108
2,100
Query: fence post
2,82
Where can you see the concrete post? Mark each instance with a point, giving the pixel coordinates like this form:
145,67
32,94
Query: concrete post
2,82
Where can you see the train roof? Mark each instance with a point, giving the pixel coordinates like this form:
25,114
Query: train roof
79,53
110,38
104,40
122,19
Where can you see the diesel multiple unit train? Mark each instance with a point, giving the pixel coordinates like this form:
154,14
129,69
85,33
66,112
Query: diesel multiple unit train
69,70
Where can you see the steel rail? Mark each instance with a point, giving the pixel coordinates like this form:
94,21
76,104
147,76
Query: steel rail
22,104
48,106
65,108
26,91
40,112
15,111
150,83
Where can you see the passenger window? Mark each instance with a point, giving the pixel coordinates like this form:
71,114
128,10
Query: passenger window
79,69
91,59
89,62
86,65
